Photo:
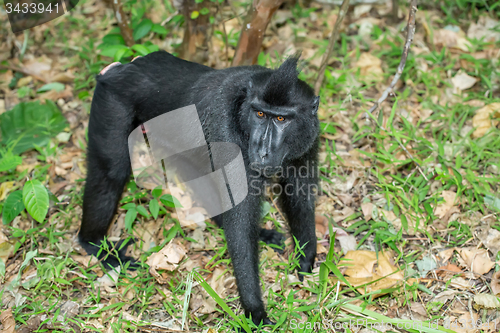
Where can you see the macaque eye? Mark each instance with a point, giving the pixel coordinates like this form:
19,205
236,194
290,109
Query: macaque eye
260,114
280,118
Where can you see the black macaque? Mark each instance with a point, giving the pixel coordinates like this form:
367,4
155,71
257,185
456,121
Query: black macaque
270,114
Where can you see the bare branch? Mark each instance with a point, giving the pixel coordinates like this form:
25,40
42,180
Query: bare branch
410,32
331,43
123,22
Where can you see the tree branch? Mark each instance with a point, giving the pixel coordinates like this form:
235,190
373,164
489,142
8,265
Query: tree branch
331,43
410,32
123,22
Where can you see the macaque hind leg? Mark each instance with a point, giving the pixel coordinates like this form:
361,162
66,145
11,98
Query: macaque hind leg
108,166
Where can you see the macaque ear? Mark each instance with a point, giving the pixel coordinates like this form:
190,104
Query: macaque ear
315,105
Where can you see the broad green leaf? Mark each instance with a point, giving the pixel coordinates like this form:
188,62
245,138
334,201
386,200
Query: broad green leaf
30,124
57,86
142,29
120,54
12,207
140,49
143,211
130,218
159,29
195,14
111,50
113,39
36,199
157,192
154,208
9,161
169,201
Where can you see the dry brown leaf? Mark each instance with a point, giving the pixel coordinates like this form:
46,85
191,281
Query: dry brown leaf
445,255
491,239
8,322
451,39
5,187
361,263
462,81
495,283
477,260
418,308
448,271
362,271
464,323
482,119
444,207
484,28
486,301
167,258
370,67
367,209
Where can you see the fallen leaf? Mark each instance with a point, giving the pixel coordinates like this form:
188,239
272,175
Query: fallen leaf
5,187
418,308
367,209
463,323
445,255
451,38
484,28
495,283
167,258
8,322
491,239
486,301
477,260
444,207
448,271
370,67
462,81
347,243
110,278
482,119
362,262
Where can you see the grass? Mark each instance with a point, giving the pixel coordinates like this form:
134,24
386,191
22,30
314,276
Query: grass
49,286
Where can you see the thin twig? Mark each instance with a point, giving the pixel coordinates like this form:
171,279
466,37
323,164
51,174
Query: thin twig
410,32
331,43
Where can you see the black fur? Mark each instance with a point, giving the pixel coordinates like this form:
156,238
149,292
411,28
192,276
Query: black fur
229,103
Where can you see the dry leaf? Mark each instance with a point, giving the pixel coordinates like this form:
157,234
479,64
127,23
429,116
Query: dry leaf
491,239
5,187
495,283
367,209
110,278
462,81
463,323
477,260
482,119
167,258
8,322
361,263
448,271
451,39
486,301
443,208
484,28
347,243
445,255
370,67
